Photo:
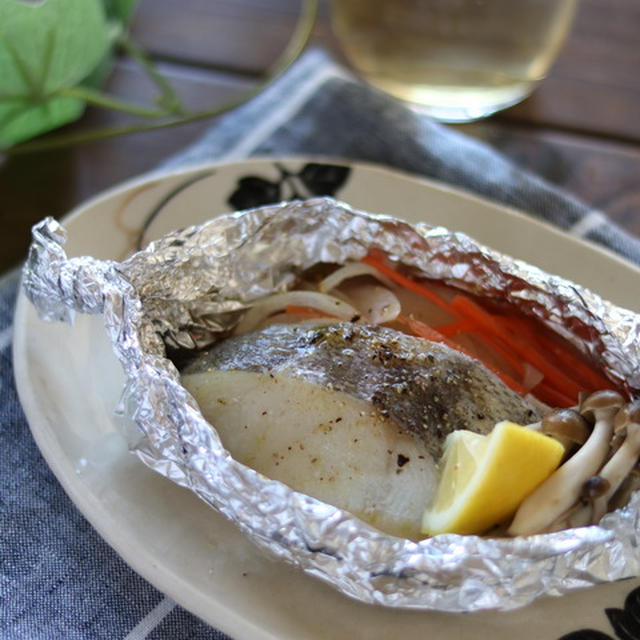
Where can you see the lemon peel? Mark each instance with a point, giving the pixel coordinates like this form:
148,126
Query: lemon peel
486,477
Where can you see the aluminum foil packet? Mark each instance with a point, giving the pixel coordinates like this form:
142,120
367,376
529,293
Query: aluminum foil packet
189,288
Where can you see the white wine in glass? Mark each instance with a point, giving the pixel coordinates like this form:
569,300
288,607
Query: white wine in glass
458,60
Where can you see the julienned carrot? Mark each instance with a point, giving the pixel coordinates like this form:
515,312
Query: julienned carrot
307,311
486,337
407,283
584,375
467,308
553,397
565,375
487,329
423,330
579,371
582,371
452,329
564,384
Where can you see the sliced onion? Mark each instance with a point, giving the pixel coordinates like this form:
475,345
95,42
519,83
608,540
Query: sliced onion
351,270
376,304
271,304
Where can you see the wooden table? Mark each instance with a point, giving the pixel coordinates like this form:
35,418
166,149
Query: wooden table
580,129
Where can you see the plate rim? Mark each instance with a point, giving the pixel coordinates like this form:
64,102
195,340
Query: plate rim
91,509
160,576
160,175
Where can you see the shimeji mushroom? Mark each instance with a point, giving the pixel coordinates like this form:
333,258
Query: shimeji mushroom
563,487
581,513
567,426
624,459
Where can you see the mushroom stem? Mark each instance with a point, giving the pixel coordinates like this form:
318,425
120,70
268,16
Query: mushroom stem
562,488
618,468
581,513
578,515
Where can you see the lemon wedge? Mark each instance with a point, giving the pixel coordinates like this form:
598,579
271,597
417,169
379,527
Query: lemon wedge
485,478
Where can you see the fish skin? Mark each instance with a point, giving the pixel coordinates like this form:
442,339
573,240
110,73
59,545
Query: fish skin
427,388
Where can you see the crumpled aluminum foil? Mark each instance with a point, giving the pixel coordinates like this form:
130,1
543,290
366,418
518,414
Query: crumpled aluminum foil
188,288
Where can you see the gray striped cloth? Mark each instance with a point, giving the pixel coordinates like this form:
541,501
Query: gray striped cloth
58,578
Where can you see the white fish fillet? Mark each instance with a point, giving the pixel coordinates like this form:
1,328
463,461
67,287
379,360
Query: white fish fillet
354,415
324,443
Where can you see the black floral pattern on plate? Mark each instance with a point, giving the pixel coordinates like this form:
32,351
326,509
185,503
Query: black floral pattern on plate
625,622
313,179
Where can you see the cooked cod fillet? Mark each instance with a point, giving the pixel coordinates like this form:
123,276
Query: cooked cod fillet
324,443
353,415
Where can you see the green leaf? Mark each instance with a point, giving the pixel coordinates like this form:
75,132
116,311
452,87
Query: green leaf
44,48
26,120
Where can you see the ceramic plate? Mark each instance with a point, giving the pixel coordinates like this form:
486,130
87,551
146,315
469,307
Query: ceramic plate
167,534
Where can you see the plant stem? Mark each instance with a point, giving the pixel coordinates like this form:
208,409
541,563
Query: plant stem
99,99
47,57
169,98
294,48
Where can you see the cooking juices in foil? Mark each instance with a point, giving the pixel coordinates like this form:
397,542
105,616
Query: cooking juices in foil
189,288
